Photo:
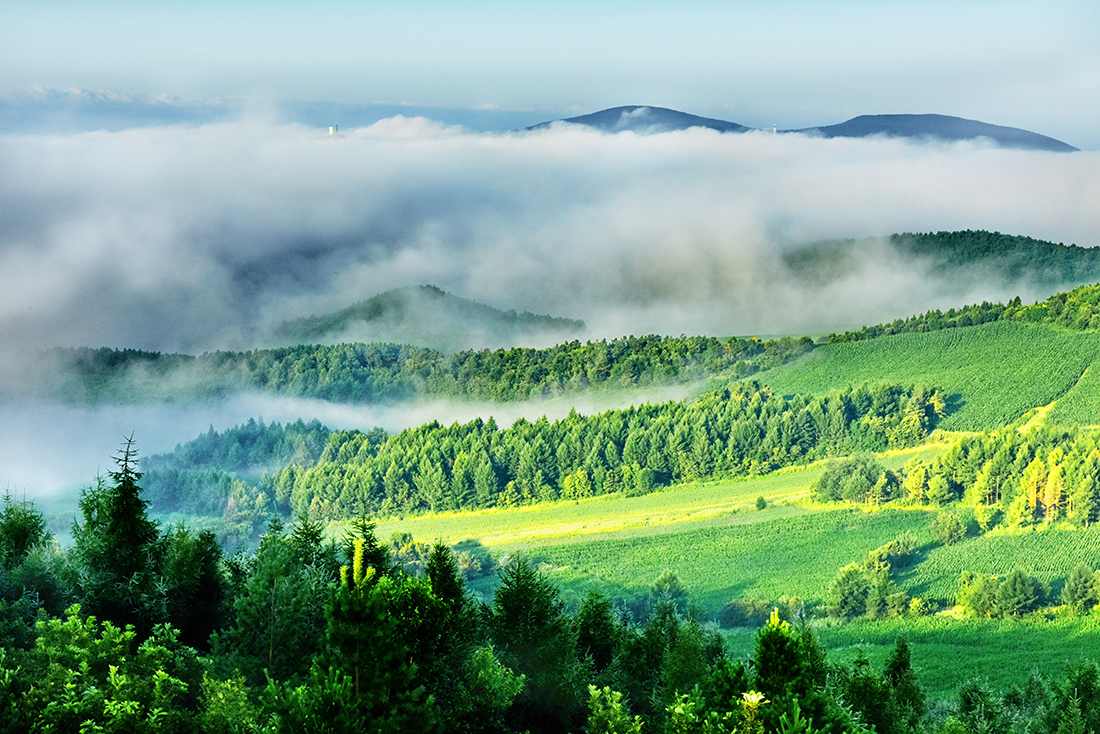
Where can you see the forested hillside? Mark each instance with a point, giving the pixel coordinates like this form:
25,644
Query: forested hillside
977,256
742,430
1078,309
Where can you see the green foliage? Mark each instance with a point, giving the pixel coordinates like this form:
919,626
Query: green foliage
977,594
227,707
607,715
22,528
1076,699
947,529
857,478
598,634
1019,593
743,429
86,675
685,664
366,677
1080,592
909,696
278,616
781,669
488,688
195,591
848,593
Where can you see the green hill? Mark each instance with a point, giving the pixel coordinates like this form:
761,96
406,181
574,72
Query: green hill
992,373
429,317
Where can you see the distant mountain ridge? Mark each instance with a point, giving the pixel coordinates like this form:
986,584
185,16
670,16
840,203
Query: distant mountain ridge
941,127
428,317
644,119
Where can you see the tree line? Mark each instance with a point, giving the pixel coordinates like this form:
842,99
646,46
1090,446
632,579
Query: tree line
374,373
1011,478
737,430
1078,309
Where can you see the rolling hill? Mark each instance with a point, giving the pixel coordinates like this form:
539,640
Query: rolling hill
429,317
647,120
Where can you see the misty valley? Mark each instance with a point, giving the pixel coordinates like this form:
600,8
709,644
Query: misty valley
550,368
419,512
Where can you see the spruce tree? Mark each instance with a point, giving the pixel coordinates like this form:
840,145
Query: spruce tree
1080,593
118,550
534,638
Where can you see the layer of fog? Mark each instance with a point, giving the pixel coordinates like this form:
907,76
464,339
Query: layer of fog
48,451
181,238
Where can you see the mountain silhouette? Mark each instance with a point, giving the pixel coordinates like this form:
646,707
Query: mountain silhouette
647,120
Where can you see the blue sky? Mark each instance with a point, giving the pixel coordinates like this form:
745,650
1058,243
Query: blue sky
1024,64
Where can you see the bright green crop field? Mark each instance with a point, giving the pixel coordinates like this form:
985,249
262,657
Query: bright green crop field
992,373
948,652
778,554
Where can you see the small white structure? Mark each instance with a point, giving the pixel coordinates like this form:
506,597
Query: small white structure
333,129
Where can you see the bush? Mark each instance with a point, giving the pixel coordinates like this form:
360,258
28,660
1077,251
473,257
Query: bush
947,529
745,613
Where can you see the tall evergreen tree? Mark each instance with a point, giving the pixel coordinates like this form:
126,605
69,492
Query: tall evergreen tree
534,636
118,549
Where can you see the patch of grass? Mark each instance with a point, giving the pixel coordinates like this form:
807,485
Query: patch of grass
1081,405
789,554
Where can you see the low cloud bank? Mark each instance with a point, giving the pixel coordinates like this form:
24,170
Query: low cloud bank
195,238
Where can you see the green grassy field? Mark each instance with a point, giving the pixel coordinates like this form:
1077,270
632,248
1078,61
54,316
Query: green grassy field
757,556
710,534
992,373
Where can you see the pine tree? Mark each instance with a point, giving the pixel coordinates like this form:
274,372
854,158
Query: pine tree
908,694
118,550
363,680
1080,592
1019,593
598,635
21,529
534,638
